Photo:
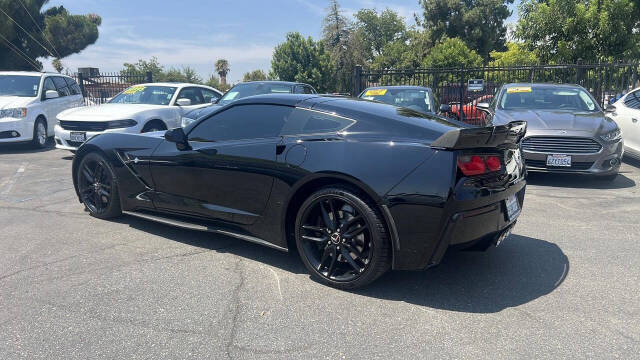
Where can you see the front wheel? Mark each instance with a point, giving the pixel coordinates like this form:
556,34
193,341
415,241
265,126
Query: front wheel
98,187
40,135
341,238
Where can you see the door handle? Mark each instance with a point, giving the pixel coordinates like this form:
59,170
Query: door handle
208,151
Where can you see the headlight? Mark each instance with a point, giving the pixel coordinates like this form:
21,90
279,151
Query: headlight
186,121
611,136
13,113
119,124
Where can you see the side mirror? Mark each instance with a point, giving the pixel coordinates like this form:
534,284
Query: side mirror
178,137
610,109
445,108
483,106
214,100
183,102
51,94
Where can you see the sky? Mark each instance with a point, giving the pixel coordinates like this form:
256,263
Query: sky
197,33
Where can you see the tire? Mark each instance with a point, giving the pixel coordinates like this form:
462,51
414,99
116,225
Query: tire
98,187
349,253
154,126
40,135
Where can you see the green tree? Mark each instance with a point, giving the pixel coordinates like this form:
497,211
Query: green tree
186,74
452,53
405,54
57,65
480,23
26,33
141,68
303,60
344,45
379,30
222,69
255,75
516,55
592,30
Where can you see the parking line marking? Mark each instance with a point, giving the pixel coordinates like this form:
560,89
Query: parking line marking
9,185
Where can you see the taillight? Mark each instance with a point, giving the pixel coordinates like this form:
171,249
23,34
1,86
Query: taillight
471,165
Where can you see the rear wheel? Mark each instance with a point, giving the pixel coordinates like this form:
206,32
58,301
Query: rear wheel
341,238
98,187
154,126
39,134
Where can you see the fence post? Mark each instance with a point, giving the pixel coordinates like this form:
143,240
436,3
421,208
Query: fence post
634,77
357,80
81,84
461,113
578,71
149,77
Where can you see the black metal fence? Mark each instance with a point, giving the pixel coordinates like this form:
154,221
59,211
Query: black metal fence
460,88
100,88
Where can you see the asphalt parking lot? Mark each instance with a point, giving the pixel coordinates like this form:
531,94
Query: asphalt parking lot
566,284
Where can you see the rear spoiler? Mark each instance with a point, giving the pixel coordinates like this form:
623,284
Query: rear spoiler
503,136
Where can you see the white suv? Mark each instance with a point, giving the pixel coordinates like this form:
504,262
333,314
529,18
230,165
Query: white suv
30,102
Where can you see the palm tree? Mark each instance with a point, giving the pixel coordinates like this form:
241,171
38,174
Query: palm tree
222,68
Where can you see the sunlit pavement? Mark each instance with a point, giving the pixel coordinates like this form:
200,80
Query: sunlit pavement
566,284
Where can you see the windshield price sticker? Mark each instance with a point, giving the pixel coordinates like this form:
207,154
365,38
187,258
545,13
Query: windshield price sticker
519,89
376,92
133,90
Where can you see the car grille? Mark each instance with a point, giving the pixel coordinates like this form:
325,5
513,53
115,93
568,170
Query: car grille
561,145
74,143
84,125
541,164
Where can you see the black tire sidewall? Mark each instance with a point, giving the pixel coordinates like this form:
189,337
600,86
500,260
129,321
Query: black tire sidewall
379,240
114,208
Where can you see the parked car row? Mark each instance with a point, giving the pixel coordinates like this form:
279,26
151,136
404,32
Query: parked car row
356,186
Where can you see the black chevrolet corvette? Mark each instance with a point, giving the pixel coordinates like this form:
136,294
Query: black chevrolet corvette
357,187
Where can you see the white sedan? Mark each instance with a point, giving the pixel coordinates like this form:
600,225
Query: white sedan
626,113
138,109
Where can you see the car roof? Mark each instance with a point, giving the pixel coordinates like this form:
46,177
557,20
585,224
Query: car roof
542,85
272,82
400,87
31,73
276,99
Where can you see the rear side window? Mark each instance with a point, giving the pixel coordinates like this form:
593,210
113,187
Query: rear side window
209,95
303,121
73,86
61,86
242,122
48,85
633,100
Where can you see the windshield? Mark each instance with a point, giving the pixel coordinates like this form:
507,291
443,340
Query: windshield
546,98
19,85
250,89
139,94
415,99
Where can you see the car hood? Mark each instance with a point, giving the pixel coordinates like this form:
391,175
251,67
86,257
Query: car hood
107,112
8,102
540,120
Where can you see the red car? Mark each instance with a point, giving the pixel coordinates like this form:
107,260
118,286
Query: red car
472,115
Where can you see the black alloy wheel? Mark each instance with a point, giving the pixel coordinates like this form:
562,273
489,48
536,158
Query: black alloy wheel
97,187
341,239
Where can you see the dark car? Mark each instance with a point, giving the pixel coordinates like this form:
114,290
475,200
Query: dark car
567,131
246,89
357,187
416,98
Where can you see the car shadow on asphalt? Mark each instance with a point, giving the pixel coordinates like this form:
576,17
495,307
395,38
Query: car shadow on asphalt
25,148
579,181
519,271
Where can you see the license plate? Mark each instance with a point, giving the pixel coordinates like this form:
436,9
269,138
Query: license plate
78,137
559,160
513,207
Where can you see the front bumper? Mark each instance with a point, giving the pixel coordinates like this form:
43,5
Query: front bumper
15,130
607,161
63,136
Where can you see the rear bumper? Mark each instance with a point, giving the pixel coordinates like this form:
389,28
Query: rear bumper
425,232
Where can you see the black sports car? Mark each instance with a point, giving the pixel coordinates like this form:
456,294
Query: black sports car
357,187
